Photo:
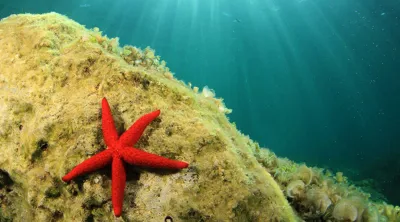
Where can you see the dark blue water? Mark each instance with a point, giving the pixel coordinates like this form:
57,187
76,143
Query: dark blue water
316,81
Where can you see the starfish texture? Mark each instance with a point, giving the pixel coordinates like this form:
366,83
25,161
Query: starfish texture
119,150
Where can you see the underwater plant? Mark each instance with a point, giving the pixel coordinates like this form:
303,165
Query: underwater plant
320,196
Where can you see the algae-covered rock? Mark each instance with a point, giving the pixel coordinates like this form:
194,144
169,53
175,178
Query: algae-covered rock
318,195
53,75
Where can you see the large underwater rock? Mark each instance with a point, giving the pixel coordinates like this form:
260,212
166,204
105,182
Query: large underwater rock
53,75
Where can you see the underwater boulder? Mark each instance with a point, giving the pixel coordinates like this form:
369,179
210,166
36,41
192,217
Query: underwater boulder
53,75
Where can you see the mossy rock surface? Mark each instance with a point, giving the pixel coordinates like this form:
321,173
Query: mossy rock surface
53,75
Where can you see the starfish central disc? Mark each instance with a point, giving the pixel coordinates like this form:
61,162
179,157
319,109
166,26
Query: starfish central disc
116,150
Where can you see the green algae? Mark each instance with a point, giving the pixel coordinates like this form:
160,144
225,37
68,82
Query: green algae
69,69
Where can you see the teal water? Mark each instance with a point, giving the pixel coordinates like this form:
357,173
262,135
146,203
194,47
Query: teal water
316,81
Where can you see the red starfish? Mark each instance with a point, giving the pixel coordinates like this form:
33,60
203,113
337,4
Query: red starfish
120,150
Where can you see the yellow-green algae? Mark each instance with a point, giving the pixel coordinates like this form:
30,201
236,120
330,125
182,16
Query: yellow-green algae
319,195
53,75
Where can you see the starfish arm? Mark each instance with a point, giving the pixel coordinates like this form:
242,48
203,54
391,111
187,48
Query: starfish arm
109,132
93,163
141,158
132,135
117,185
